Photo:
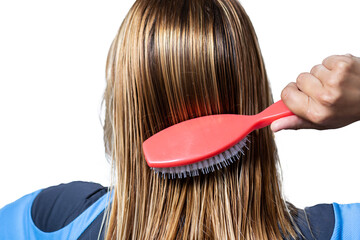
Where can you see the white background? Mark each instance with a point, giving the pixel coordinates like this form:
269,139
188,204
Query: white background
52,68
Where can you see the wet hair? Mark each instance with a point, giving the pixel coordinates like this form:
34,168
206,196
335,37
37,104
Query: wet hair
172,61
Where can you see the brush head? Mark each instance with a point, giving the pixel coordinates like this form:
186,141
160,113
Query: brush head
219,161
198,145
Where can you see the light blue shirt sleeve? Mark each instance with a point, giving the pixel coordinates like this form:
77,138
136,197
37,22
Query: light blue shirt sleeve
16,222
347,221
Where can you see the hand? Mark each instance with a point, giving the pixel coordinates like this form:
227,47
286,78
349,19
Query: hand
327,97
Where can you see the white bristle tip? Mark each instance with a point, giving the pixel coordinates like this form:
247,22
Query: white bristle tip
219,161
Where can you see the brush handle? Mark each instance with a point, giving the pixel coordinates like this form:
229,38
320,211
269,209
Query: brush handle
273,112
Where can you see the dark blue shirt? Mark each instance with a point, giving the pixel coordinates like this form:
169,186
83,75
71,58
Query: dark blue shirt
76,210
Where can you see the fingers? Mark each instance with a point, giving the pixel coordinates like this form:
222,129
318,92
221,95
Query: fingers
320,72
337,61
291,122
297,101
309,84
303,105
326,97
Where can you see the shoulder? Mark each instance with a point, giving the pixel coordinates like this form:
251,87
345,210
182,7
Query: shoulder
329,221
316,222
347,221
59,209
57,206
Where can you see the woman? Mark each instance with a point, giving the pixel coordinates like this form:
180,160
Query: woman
172,61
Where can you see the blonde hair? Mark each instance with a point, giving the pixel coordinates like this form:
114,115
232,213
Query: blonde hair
172,61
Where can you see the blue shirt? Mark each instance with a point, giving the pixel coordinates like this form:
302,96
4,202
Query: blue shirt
67,211
75,211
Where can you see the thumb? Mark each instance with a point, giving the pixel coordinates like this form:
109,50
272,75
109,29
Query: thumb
291,122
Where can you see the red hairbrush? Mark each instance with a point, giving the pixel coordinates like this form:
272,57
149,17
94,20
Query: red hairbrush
206,142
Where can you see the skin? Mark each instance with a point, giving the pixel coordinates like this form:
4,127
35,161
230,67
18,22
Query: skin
327,97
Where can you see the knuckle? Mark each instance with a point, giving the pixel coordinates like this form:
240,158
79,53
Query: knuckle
334,81
300,79
328,58
351,62
343,66
317,117
313,116
285,93
315,69
337,80
327,98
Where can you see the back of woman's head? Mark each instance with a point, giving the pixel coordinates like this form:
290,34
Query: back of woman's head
172,61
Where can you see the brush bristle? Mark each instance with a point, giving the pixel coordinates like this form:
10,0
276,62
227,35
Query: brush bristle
219,161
